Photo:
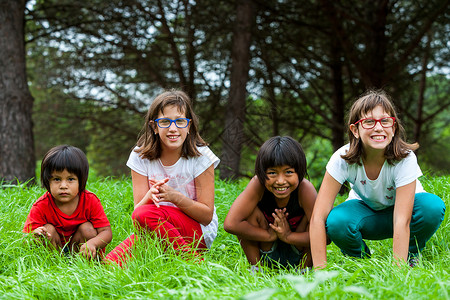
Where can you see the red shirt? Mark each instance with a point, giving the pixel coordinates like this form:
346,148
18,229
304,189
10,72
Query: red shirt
44,211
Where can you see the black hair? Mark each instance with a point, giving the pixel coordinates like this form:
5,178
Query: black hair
65,157
280,151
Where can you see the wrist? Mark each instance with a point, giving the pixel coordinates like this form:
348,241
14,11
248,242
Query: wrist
140,203
92,243
181,200
286,238
272,235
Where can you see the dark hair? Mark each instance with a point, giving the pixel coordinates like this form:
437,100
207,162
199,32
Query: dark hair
280,151
65,157
150,144
397,149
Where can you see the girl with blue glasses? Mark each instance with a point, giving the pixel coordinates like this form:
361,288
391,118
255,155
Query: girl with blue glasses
172,171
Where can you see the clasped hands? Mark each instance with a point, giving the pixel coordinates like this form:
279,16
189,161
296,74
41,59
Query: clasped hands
160,191
280,227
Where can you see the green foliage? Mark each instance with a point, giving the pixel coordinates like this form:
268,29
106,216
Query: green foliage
110,146
28,271
318,152
58,121
434,138
94,66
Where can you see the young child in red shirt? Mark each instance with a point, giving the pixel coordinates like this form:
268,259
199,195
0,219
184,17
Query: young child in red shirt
68,216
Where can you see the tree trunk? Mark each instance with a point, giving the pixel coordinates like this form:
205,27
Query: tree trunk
421,97
338,131
17,161
376,41
233,136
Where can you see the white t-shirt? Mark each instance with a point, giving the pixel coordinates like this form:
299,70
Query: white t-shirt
379,193
181,175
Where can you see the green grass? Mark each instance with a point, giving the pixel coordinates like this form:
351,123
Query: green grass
32,272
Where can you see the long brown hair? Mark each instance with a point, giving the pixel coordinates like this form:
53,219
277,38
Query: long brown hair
149,143
397,149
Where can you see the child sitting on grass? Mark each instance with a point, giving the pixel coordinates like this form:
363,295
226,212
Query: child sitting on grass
172,171
271,216
67,215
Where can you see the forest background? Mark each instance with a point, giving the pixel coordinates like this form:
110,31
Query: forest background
253,68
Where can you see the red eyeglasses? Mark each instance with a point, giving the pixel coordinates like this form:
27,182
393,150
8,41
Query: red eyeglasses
369,123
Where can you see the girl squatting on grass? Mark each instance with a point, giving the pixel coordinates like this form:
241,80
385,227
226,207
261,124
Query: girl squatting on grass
67,215
172,173
386,198
271,216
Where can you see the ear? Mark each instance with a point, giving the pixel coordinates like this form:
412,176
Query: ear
153,126
354,130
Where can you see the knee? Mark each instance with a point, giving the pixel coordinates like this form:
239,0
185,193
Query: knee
138,214
51,229
428,208
146,215
87,231
256,219
53,233
338,224
228,226
436,208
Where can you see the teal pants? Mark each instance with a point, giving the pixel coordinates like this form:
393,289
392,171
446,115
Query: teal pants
352,221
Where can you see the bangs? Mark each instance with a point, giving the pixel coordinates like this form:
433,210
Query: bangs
65,160
278,157
170,99
62,158
178,103
369,102
374,101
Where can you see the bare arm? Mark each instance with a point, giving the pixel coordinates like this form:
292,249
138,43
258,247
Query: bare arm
404,203
140,189
324,203
236,221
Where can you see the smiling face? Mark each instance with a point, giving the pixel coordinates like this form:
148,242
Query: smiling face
376,138
281,182
172,137
64,187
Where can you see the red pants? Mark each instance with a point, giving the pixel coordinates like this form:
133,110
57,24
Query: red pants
169,223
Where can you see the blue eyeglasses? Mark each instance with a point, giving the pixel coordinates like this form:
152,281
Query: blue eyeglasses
166,122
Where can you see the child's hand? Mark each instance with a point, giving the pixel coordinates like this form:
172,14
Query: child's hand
280,224
154,191
50,234
42,231
169,194
88,251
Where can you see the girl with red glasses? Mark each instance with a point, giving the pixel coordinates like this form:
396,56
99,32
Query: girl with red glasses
386,198
172,171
